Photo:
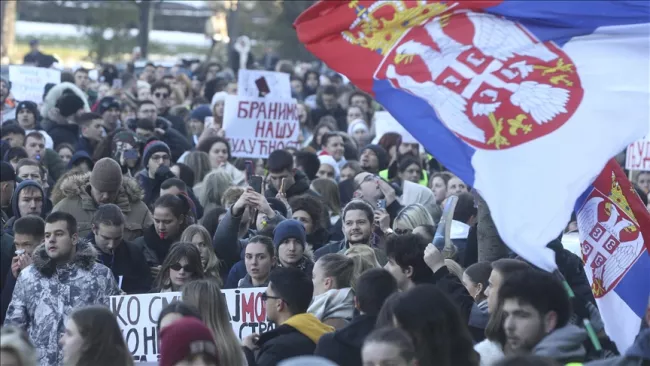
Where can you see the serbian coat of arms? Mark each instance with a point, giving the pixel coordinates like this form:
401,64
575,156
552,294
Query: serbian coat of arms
489,80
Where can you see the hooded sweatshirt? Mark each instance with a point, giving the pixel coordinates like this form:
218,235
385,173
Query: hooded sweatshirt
335,303
9,226
78,157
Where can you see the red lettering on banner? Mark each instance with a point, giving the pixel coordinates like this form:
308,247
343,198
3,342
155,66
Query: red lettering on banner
242,112
259,304
248,307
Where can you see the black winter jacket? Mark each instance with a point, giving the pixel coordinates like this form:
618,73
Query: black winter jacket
128,261
343,347
279,344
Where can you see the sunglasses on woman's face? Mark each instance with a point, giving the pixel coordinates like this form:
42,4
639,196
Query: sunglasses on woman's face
177,267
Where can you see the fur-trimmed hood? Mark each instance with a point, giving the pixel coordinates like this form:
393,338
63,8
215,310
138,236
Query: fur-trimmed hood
76,185
53,95
85,257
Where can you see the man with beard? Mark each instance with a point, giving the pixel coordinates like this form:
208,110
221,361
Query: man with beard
358,218
374,159
536,310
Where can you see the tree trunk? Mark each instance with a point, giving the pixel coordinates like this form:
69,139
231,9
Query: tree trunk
145,9
490,245
8,27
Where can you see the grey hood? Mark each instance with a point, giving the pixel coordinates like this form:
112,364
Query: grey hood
564,345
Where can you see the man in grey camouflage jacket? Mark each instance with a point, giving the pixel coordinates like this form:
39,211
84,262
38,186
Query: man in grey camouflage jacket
64,276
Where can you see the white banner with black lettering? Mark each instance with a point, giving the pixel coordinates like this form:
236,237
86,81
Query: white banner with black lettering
137,316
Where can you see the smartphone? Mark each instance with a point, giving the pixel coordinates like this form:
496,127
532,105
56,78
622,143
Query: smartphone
262,86
249,171
255,181
117,83
131,154
209,121
381,204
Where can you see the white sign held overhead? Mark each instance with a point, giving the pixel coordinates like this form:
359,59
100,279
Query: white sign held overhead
384,123
28,82
638,156
257,126
259,83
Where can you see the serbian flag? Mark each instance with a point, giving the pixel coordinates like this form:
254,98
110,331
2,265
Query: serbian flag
614,228
524,100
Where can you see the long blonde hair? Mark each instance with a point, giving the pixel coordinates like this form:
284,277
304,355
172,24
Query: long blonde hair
412,216
211,268
206,296
215,185
367,255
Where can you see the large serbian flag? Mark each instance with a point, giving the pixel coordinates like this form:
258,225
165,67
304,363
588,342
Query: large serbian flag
524,100
614,228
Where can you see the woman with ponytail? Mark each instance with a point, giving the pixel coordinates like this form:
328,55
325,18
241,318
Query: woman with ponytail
172,214
335,277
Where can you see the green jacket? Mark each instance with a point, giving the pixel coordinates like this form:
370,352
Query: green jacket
55,166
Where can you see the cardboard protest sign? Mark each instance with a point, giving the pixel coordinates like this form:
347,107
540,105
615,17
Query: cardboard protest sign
259,83
638,156
28,82
384,122
257,126
137,316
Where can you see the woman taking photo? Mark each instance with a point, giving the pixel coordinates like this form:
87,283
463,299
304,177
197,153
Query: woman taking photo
93,337
206,296
171,215
218,151
182,265
199,236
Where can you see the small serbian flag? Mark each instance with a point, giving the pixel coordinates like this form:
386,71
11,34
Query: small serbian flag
524,100
614,227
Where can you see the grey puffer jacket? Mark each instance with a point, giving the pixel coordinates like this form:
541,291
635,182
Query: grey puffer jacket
46,294
563,345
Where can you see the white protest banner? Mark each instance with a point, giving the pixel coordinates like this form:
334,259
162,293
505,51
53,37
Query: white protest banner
259,83
28,82
137,316
384,122
638,156
257,126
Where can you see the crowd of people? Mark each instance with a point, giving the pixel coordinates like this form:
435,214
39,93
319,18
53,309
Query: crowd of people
131,187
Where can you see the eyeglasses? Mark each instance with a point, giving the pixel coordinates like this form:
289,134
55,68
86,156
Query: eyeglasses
265,297
160,157
161,95
177,267
368,178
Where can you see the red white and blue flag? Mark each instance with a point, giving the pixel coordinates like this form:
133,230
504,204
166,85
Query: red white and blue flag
614,227
524,100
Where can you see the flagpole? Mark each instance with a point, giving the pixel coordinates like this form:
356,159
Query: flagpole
588,327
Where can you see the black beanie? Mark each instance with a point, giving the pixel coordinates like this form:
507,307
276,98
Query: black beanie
382,156
30,106
69,103
7,172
